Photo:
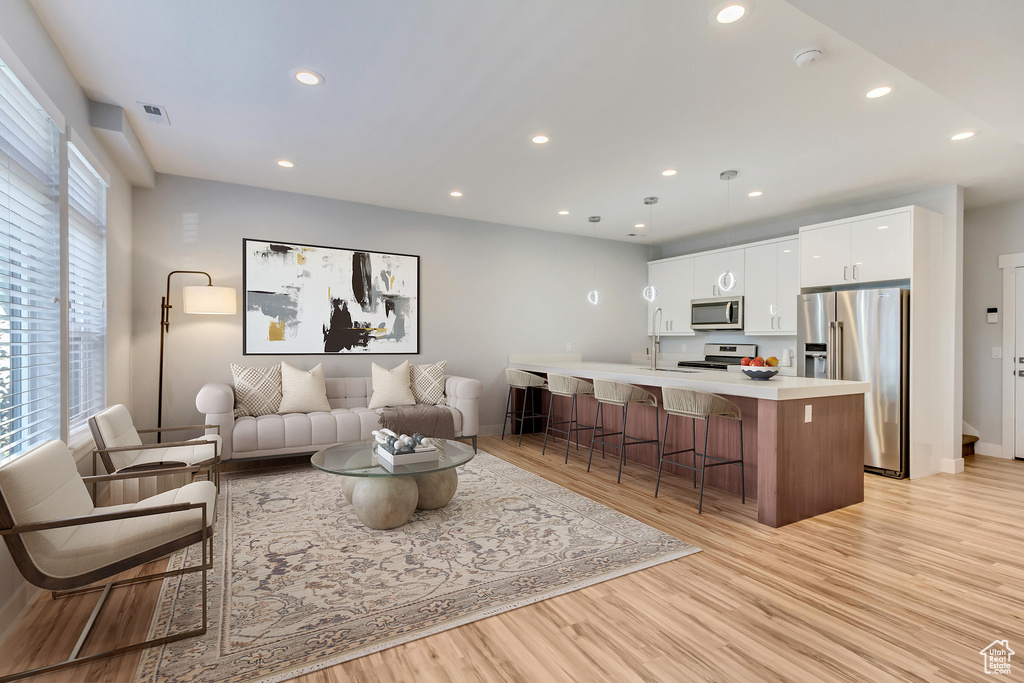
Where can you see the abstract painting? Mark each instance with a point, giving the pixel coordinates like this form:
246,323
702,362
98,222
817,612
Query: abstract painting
304,299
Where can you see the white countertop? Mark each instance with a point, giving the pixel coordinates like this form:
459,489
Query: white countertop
778,388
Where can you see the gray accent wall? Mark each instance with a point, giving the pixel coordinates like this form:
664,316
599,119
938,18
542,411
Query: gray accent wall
989,232
486,290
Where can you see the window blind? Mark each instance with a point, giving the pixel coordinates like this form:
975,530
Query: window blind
87,290
30,337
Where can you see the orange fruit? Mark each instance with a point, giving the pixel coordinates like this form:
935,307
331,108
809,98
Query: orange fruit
772,361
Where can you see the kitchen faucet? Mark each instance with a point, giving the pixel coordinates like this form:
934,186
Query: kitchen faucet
655,337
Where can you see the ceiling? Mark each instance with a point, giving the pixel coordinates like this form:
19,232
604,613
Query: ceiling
421,98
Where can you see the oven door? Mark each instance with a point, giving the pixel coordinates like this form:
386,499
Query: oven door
717,314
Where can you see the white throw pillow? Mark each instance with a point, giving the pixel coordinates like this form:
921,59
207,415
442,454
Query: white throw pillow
304,391
428,383
257,390
391,387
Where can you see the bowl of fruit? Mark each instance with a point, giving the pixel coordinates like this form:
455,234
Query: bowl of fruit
760,368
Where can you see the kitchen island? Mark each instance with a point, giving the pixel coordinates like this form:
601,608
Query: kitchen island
803,437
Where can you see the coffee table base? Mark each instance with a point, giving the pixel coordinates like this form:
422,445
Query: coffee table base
388,502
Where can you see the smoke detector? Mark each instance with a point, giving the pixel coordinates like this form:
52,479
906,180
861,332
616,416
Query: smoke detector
156,113
807,57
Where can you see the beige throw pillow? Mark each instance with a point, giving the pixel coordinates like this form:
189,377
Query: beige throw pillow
304,391
428,383
257,390
391,387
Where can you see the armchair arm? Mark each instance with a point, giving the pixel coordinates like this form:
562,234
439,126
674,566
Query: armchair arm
151,446
154,471
464,394
177,429
96,519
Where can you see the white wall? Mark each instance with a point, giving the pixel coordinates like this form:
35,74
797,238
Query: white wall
988,233
39,62
937,447
486,290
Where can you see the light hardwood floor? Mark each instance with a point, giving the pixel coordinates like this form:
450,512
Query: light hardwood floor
908,585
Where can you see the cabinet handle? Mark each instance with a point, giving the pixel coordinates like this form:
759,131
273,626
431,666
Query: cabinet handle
779,322
855,271
846,272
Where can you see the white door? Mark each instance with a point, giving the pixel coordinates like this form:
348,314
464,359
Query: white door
789,286
760,306
658,274
677,310
705,276
825,256
880,248
1019,367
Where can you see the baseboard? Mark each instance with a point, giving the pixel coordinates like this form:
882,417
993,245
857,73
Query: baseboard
994,450
488,430
952,466
17,607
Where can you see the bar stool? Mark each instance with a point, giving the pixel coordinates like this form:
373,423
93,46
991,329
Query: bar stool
520,379
569,387
699,405
621,394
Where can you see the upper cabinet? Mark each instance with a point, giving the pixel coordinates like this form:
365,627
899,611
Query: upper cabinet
709,274
674,282
872,249
773,287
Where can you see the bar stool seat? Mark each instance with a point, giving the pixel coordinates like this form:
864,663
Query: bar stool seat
610,392
567,387
520,379
699,405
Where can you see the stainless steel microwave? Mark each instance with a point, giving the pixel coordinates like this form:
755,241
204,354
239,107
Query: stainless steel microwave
720,313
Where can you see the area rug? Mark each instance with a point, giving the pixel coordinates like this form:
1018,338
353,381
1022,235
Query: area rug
300,584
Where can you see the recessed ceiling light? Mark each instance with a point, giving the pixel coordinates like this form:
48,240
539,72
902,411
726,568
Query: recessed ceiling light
639,225
670,171
307,77
963,136
540,139
786,251
284,163
878,92
455,193
883,227
815,257
563,212
755,193
730,13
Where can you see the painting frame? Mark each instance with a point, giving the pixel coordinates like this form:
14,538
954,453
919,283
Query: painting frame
249,348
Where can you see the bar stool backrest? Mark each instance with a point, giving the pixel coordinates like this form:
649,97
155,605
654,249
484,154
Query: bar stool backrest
698,404
620,393
562,385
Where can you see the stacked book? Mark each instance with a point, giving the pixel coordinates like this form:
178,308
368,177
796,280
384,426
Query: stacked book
389,459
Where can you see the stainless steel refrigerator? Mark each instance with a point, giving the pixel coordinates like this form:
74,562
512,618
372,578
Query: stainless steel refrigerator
863,335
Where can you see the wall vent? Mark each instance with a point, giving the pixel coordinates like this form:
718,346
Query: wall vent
156,113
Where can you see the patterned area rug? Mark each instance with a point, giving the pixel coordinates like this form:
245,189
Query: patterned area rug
299,584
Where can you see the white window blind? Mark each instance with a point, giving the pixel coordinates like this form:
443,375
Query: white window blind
30,337
87,290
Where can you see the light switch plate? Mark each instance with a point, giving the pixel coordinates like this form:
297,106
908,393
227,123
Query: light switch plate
997,351
807,413
568,346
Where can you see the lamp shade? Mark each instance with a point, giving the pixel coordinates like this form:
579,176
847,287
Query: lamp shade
208,300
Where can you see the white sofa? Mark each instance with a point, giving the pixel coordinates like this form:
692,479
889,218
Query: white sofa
349,420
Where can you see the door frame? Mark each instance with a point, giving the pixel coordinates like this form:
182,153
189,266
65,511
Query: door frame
1009,264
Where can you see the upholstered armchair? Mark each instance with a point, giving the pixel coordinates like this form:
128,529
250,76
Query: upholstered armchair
119,447
61,541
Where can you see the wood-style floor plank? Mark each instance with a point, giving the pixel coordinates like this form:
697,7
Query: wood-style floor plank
906,586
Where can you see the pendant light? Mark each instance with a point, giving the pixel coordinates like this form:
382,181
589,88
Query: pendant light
592,295
727,280
650,291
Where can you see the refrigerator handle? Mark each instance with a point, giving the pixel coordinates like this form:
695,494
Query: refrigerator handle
830,351
839,350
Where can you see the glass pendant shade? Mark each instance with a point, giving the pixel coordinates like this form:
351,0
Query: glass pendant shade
592,296
726,281
650,292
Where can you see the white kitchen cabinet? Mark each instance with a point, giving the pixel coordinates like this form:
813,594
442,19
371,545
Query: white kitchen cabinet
674,281
872,249
772,288
708,268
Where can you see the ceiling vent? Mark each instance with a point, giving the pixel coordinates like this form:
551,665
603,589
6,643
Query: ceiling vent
156,113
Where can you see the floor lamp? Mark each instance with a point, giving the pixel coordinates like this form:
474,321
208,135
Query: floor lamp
202,300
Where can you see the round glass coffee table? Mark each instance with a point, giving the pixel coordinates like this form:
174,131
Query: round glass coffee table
385,497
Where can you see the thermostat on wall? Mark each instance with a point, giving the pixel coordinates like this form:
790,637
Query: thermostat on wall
993,315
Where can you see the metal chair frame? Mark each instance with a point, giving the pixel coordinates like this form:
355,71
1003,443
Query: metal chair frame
624,442
510,412
551,425
704,457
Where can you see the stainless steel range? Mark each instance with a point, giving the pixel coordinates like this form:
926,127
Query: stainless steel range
721,356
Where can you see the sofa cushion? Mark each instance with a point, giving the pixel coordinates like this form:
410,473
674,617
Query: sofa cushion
304,391
428,383
391,387
257,390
